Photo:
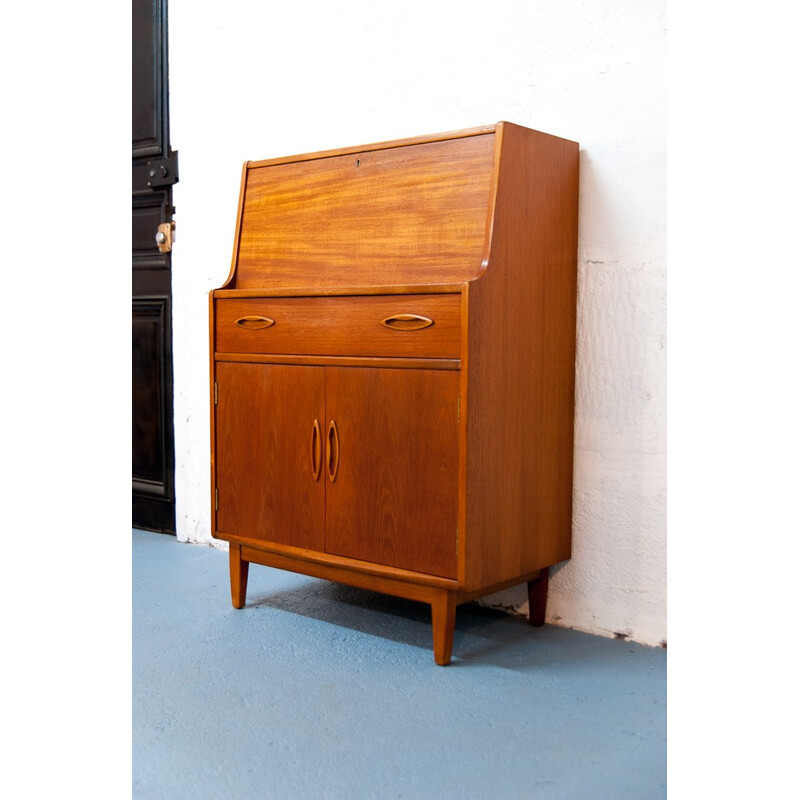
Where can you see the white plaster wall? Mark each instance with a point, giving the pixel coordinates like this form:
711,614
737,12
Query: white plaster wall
255,80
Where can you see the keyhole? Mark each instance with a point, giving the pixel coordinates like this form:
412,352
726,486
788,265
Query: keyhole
358,162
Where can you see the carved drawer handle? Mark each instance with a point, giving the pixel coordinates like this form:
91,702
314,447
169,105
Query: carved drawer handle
407,322
254,323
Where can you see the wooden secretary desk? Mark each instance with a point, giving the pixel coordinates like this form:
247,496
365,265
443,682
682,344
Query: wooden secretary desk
392,360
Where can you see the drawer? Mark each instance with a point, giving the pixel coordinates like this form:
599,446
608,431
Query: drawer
422,326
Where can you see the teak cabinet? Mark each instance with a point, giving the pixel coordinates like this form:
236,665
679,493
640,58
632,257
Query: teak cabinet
392,360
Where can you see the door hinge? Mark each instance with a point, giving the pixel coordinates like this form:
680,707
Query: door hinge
216,499
216,394
155,174
162,171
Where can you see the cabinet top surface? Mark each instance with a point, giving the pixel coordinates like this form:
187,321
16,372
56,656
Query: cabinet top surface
365,148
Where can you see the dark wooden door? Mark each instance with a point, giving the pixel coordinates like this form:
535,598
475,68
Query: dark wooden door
270,476
154,170
394,499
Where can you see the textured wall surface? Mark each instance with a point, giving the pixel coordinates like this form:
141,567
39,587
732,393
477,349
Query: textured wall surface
261,80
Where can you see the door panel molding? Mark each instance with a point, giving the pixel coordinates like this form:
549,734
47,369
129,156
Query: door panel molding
151,461
150,116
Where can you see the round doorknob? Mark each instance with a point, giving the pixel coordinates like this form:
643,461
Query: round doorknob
160,237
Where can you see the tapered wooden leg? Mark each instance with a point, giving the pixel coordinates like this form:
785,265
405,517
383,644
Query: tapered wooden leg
537,598
239,572
443,616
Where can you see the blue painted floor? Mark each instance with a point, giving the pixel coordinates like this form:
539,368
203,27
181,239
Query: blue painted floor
316,690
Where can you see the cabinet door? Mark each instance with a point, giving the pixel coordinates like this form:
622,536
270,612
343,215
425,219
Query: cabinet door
394,497
266,455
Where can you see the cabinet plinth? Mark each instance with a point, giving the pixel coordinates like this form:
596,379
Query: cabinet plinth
392,368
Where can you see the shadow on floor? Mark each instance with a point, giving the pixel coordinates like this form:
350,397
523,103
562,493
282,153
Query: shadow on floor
483,636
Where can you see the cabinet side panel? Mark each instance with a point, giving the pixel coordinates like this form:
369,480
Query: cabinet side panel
521,366
400,215
230,280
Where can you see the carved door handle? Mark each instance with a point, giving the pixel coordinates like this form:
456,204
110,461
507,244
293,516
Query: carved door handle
332,451
316,450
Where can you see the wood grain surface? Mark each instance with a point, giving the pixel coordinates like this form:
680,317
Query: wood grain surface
350,326
264,475
391,216
394,500
521,365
